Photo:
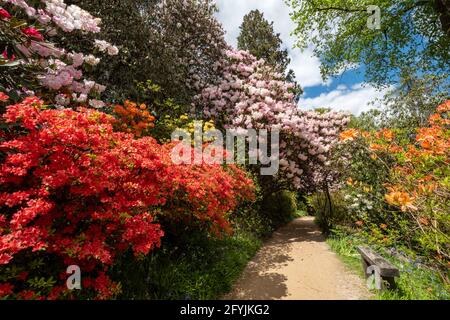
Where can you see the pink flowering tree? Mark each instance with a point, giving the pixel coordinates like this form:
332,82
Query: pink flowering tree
36,65
251,94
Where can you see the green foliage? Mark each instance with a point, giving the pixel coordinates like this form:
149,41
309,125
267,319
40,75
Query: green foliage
253,221
367,120
203,268
169,115
411,103
413,33
322,110
250,218
408,105
170,42
280,207
302,206
328,214
15,74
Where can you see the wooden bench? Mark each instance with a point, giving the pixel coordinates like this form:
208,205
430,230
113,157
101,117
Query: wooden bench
387,271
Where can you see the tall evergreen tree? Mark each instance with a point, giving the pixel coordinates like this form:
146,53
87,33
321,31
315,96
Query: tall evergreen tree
259,38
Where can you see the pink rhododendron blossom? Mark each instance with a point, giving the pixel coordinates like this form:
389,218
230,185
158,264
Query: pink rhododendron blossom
251,95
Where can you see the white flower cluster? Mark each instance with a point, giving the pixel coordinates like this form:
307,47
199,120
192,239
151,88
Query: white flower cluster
78,59
105,46
72,17
68,18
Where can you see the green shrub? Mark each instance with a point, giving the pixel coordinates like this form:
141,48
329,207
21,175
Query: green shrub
204,268
302,206
280,207
328,215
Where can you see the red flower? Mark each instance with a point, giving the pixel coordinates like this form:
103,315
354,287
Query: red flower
83,194
27,295
5,289
33,33
23,276
3,97
4,14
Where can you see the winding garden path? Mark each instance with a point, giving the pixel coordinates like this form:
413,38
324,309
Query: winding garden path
296,263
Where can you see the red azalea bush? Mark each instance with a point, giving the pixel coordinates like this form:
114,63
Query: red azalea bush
205,194
74,192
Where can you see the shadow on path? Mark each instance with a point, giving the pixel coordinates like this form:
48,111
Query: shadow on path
296,263
256,282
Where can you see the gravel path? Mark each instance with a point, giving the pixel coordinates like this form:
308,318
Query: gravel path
296,263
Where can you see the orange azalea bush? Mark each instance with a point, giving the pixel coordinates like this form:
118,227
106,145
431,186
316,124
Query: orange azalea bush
400,199
402,182
134,118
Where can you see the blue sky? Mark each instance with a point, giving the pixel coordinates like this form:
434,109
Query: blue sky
345,92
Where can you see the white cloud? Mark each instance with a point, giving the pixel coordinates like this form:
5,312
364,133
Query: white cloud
355,100
305,65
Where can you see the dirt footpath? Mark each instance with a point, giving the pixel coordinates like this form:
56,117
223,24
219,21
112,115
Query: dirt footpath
297,263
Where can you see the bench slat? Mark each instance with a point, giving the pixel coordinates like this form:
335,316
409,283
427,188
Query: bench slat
386,268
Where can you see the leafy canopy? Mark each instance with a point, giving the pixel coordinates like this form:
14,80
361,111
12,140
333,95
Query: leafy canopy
413,33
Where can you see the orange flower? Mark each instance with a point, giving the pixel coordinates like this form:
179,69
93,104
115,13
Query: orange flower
119,109
129,104
424,221
383,226
141,125
376,147
350,181
433,140
435,118
386,134
400,199
365,134
359,223
444,107
134,116
349,134
395,149
427,188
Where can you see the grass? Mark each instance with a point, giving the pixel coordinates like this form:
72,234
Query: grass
198,267
346,251
299,213
414,283
205,269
